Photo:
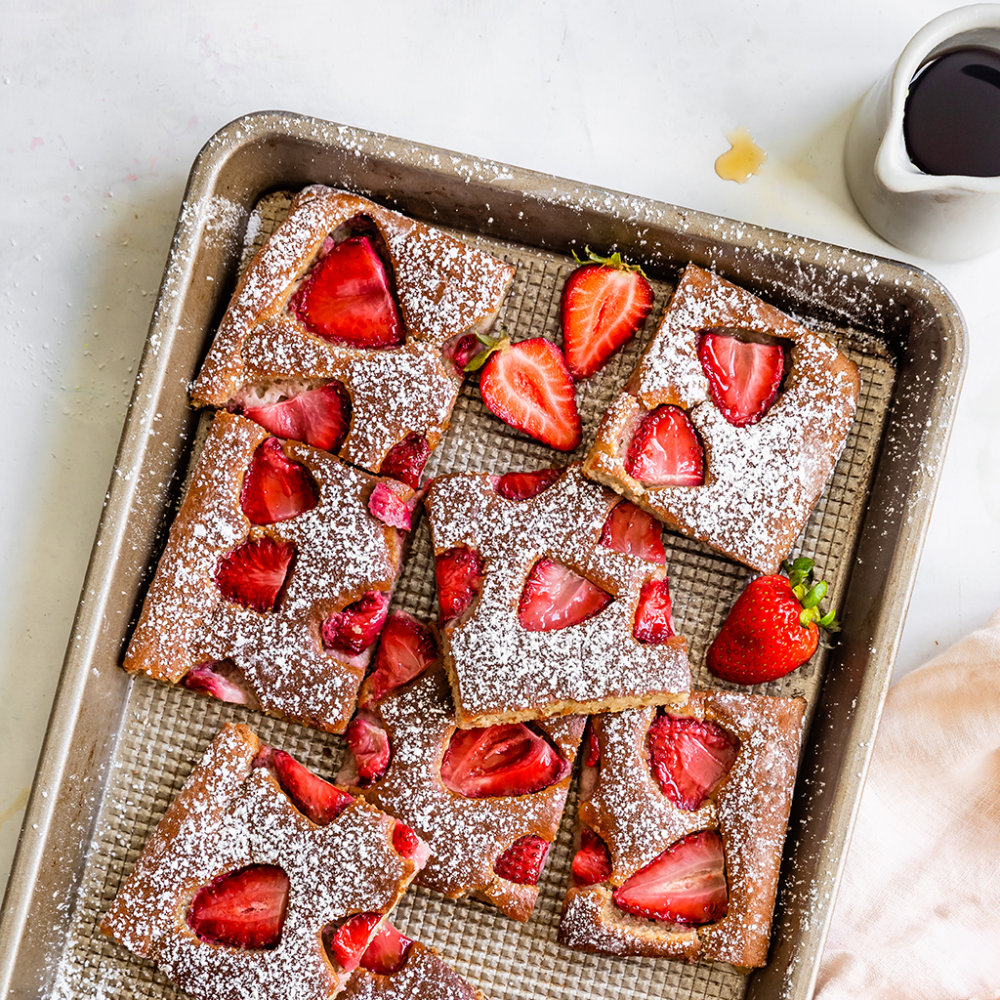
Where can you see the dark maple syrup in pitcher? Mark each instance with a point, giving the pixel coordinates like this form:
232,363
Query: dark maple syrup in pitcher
951,118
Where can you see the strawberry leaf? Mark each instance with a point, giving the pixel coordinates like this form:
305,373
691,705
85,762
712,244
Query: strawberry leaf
615,260
492,345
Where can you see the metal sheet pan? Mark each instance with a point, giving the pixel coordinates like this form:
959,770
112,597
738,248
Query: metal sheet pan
118,748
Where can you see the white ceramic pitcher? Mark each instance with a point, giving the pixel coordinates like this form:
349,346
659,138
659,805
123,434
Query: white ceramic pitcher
946,217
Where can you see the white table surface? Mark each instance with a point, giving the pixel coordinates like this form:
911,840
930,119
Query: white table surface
105,105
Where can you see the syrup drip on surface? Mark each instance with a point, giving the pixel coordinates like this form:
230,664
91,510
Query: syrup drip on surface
742,160
951,119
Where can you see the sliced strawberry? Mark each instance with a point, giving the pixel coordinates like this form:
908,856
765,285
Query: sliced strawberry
388,951
652,614
591,748
507,759
686,884
406,459
603,304
665,450
743,377
528,386
460,350
634,532
318,799
404,840
275,488
592,862
254,573
347,298
355,628
244,909
369,742
347,943
405,651
525,485
523,861
689,758
393,504
318,417
555,597
220,679
459,573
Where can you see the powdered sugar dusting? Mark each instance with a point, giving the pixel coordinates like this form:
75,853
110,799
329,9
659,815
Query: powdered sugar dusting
393,393
425,976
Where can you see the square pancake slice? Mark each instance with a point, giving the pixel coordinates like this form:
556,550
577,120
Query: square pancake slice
275,579
350,328
731,423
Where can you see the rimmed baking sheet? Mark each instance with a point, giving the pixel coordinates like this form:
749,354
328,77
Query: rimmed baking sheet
119,748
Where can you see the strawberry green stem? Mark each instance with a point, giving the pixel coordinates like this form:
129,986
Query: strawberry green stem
800,576
616,261
491,345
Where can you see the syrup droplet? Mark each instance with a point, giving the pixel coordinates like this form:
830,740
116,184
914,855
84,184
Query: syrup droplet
951,119
742,160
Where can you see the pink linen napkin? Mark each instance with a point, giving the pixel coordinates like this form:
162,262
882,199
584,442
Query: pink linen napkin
918,913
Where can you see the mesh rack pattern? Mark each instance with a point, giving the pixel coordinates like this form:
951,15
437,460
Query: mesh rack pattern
166,729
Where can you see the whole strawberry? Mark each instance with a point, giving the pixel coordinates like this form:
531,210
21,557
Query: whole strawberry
772,628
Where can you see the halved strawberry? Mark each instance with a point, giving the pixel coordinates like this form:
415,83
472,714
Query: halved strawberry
652,614
689,758
634,532
506,759
686,884
220,679
743,377
316,798
355,628
388,951
254,573
603,304
592,862
528,386
405,651
404,840
555,597
244,909
275,488
665,450
318,417
393,504
525,485
406,459
369,742
347,298
347,943
459,574
523,861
